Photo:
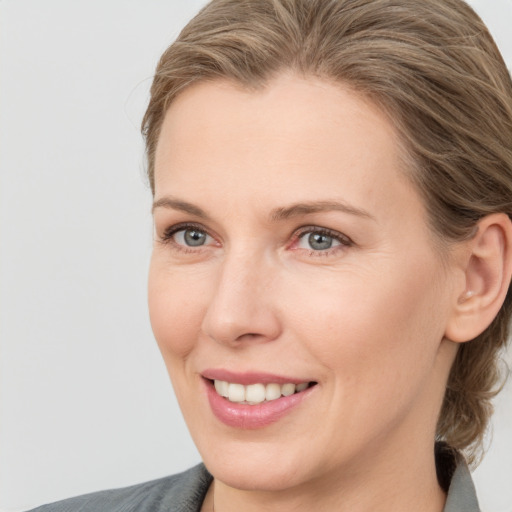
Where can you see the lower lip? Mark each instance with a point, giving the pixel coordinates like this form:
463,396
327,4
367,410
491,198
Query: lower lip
244,416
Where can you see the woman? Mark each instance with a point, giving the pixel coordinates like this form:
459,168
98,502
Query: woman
333,253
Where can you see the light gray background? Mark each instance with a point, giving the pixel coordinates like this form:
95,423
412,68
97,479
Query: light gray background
85,401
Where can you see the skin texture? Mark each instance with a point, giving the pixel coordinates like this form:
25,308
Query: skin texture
365,319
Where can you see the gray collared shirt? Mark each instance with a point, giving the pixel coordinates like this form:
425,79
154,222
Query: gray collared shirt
185,492
461,493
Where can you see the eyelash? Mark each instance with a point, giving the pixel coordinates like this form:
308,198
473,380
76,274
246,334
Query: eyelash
168,234
344,241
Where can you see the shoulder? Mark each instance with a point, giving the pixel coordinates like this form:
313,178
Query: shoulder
183,492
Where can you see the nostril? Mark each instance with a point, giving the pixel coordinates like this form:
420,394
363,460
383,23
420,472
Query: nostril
248,336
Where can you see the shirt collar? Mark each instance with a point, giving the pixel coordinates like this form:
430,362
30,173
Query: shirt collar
461,496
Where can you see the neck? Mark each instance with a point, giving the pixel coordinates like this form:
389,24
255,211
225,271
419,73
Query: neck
401,481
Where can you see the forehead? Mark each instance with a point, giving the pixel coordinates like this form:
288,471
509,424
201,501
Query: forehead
287,111
291,140
287,102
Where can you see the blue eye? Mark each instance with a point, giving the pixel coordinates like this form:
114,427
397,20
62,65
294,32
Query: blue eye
321,240
191,237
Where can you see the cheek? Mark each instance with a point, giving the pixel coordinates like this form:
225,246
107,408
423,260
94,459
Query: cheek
378,345
176,310
373,328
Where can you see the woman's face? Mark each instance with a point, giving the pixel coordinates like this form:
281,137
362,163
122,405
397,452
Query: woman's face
291,250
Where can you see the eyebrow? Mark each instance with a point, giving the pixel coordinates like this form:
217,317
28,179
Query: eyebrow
298,209
277,214
178,204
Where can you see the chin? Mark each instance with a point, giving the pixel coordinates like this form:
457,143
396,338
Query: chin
255,477
258,466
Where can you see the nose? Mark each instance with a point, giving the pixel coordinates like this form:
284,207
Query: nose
241,308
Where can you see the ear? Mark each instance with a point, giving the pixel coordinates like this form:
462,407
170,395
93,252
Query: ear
487,265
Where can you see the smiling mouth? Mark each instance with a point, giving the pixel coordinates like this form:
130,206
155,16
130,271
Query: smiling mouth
255,394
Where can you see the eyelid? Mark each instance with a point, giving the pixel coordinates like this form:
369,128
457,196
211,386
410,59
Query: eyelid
344,242
340,237
169,232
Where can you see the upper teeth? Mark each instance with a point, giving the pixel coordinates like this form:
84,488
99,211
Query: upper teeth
256,393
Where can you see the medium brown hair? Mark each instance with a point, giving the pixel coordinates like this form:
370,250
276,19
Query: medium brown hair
433,67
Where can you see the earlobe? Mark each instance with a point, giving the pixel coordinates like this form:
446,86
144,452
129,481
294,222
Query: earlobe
487,271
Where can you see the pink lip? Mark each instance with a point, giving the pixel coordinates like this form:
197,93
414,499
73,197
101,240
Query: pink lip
247,378
244,416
